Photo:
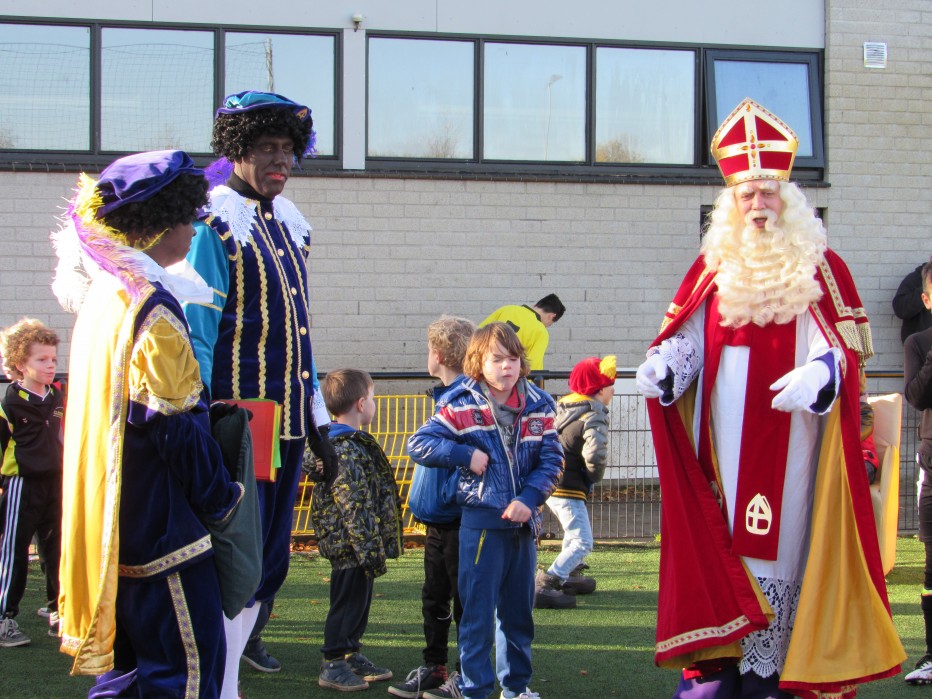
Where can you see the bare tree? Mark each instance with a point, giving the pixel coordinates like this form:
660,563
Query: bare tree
443,143
618,150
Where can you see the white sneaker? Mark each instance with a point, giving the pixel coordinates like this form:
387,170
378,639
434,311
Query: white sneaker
923,672
10,635
526,694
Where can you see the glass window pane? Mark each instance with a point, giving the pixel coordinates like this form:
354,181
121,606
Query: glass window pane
781,88
535,102
645,106
421,98
300,67
45,83
157,89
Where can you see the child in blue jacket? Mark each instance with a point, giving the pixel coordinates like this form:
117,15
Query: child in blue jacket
498,430
432,500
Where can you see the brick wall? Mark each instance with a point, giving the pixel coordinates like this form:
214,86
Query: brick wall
391,254
878,125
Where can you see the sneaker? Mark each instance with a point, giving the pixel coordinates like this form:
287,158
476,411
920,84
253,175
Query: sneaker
257,657
923,672
448,690
366,669
549,594
420,680
10,635
53,625
577,583
44,612
526,694
337,674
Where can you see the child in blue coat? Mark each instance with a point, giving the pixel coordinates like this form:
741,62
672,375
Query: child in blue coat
498,430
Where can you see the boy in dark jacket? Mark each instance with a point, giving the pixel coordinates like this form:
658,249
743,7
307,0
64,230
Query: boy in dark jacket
432,500
30,470
582,422
497,430
357,518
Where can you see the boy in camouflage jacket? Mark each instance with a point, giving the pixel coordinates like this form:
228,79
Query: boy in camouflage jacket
357,518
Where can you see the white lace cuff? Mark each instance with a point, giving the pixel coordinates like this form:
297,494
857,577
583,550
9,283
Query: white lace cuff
682,358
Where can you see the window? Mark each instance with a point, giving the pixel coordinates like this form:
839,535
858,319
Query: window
301,67
785,84
157,89
534,102
45,83
421,97
645,106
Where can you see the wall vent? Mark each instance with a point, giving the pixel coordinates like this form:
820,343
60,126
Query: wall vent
875,54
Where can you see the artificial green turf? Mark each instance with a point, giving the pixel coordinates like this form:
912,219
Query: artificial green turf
601,649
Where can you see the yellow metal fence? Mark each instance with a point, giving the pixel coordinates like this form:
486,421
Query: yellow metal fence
396,418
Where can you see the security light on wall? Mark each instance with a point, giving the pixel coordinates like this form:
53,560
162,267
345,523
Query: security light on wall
875,54
357,20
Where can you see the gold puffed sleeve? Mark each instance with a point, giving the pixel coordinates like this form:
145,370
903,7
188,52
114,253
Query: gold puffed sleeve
164,376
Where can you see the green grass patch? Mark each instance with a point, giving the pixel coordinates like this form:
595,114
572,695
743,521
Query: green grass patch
602,649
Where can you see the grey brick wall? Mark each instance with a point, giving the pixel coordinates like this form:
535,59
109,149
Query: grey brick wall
390,254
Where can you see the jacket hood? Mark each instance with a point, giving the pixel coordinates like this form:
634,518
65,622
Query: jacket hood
572,410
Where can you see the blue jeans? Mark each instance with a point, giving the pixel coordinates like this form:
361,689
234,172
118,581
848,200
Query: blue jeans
577,534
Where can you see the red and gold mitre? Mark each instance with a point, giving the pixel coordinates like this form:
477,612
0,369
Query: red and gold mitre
753,144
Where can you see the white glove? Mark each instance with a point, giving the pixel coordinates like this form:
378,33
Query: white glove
800,387
649,376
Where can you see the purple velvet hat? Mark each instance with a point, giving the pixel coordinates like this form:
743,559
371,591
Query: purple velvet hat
139,176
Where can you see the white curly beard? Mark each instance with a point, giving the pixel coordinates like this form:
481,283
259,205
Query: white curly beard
768,275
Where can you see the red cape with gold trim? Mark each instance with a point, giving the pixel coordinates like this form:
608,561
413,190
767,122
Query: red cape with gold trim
708,599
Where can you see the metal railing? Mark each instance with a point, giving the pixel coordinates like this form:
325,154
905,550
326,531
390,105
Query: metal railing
626,504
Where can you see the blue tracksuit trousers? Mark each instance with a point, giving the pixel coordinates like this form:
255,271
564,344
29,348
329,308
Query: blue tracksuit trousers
496,585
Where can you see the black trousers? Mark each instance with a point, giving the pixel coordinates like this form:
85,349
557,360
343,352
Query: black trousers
350,600
31,506
441,570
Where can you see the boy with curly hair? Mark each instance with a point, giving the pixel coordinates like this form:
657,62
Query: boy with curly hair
31,455
357,518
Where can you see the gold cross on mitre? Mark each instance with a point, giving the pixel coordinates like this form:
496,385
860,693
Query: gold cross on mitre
753,144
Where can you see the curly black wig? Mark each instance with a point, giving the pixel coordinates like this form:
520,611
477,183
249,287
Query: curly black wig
234,134
175,203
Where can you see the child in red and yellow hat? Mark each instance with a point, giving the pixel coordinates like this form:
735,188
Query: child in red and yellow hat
582,423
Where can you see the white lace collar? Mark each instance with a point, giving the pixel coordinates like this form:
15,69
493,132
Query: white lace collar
239,213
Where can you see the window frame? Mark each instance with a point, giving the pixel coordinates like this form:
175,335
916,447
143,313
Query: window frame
703,170
95,157
814,61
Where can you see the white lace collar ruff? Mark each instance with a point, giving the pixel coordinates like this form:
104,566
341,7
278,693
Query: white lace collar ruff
239,214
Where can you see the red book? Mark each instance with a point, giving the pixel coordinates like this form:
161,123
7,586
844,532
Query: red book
265,427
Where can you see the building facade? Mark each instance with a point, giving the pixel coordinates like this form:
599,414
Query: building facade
471,155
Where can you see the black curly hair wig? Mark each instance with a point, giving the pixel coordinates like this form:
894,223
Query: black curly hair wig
234,134
175,203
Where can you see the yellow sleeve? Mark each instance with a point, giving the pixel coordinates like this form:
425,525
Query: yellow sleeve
164,376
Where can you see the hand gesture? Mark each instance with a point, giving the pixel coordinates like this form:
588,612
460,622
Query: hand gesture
800,387
649,376
479,462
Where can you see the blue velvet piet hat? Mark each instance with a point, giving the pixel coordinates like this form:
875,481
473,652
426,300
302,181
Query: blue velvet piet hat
250,100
